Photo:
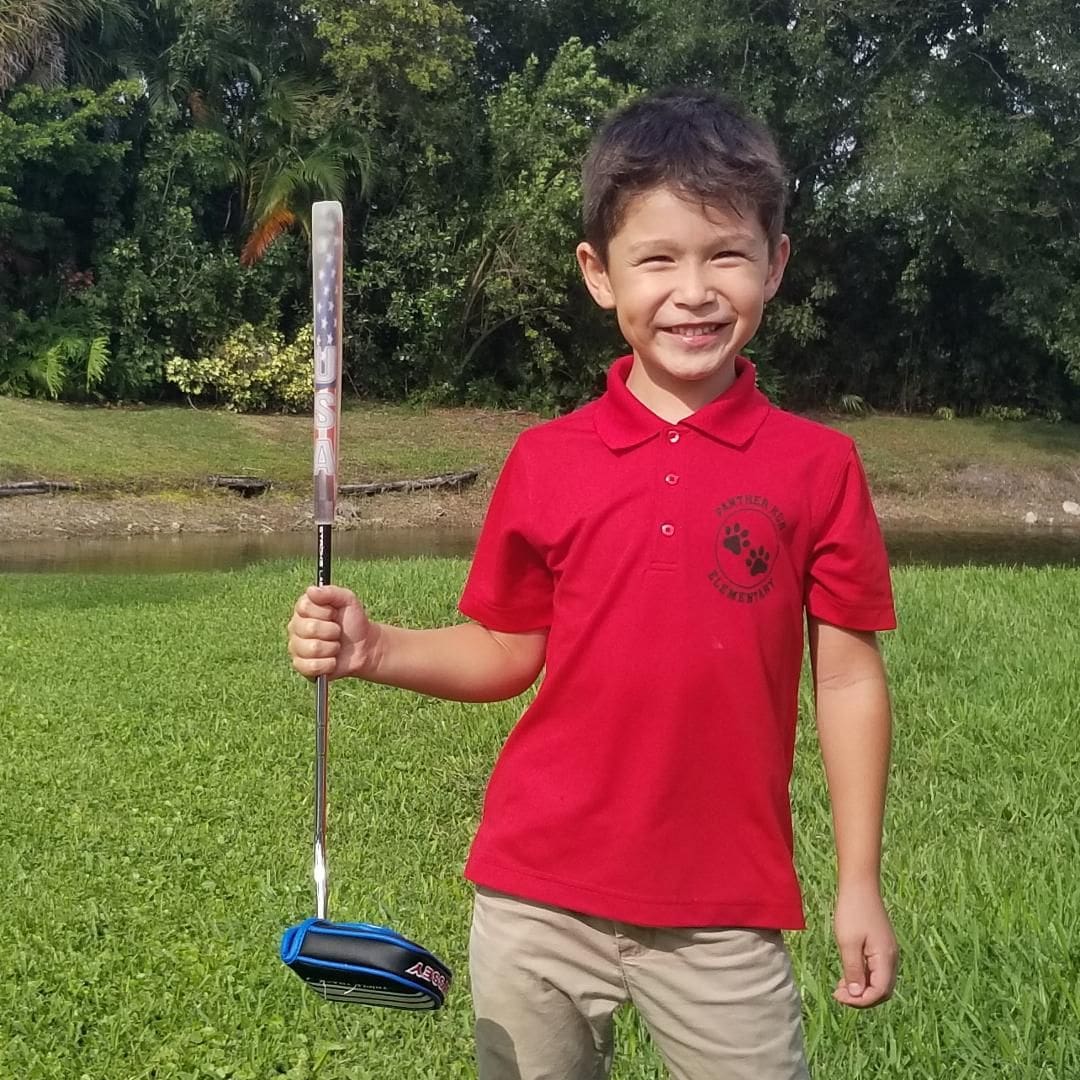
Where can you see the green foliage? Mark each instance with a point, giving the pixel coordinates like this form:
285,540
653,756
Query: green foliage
524,299
61,160
53,356
853,405
170,286
1004,412
935,160
934,152
35,38
403,302
393,48
53,368
49,141
222,153
482,302
253,370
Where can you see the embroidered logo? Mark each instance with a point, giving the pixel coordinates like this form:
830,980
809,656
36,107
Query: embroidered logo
429,974
746,547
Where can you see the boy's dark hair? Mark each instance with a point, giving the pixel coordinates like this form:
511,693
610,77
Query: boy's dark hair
701,144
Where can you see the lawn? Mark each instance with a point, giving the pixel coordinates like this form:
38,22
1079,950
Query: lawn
155,834
168,447
164,447
916,454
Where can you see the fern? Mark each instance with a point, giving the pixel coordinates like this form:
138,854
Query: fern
854,405
48,368
53,367
97,361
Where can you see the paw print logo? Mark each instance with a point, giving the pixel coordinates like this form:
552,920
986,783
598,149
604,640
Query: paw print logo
747,547
758,561
736,538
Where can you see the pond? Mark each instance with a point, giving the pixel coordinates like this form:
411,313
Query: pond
192,551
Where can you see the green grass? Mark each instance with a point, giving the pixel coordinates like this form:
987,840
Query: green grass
160,447
911,454
168,446
155,834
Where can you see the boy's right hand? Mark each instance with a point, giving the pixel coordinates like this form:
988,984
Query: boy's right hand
330,634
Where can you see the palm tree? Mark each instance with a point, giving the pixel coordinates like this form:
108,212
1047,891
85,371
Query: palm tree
40,39
32,38
286,156
251,72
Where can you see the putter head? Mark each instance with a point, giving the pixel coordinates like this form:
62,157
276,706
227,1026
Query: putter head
361,964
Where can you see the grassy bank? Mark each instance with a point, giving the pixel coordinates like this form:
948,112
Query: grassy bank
168,447
160,448
155,834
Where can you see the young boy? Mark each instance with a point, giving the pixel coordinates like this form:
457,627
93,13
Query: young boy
654,553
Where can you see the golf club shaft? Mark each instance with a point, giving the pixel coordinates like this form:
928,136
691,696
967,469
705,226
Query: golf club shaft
322,731
327,263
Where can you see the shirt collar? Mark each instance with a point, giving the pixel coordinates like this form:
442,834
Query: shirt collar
733,418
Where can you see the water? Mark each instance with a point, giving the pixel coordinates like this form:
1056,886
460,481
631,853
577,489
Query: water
190,551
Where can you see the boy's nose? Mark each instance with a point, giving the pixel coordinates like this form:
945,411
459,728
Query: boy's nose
693,290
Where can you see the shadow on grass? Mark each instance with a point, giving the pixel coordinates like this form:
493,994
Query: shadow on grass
1058,439
84,594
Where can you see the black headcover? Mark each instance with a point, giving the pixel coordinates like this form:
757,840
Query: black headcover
362,964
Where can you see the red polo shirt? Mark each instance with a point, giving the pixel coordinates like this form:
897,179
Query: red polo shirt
648,780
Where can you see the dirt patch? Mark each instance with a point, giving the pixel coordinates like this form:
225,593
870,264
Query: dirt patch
83,516
982,493
1002,482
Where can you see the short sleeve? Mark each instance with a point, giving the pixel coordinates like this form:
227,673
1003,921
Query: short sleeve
847,581
509,587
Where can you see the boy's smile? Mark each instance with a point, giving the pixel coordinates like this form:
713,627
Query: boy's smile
688,284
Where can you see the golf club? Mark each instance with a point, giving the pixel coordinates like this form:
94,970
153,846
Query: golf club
355,963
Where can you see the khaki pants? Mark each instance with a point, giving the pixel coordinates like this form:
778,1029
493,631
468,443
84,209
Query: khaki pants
720,1004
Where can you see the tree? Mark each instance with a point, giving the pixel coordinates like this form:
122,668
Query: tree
32,38
510,32
525,312
933,159
56,167
46,41
388,51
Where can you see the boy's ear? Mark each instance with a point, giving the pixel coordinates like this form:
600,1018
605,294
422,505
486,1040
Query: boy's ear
596,276
777,264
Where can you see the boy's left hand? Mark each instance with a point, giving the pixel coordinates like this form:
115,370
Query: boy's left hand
868,949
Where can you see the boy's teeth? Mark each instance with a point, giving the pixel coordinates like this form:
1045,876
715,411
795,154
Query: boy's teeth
694,331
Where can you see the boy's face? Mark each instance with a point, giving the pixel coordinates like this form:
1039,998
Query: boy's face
688,284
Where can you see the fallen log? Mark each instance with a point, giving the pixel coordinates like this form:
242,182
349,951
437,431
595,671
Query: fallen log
456,481
35,487
247,486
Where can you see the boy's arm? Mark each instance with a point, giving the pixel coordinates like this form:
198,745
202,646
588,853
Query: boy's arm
464,662
855,730
330,634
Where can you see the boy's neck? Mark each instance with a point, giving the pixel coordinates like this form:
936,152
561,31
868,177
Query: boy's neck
676,399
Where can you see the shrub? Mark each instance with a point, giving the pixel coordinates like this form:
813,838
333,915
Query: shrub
253,370
1004,412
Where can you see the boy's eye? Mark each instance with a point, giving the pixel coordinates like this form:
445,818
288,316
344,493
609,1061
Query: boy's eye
732,254
654,259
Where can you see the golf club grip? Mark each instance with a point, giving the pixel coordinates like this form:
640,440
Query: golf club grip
327,270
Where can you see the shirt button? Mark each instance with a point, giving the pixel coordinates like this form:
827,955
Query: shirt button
673,436
667,529
671,478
